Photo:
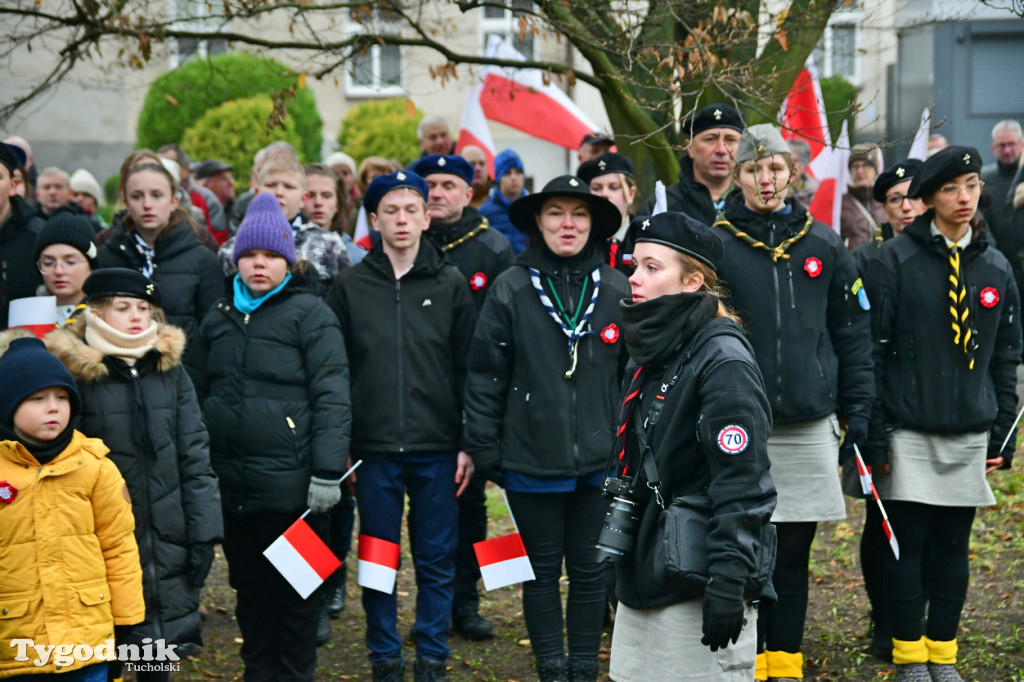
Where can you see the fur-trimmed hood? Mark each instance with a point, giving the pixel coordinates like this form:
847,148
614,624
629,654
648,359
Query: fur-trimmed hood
86,363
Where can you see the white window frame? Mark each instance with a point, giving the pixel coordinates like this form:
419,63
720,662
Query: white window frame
377,88
196,22
846,18
506,26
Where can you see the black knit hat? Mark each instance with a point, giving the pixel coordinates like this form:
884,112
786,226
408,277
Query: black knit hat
605,218
609,162
65,227
894,175
943,166
714,116
120,282
26,368
11,156
682,233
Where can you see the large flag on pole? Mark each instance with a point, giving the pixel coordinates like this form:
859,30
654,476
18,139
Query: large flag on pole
833,176
803,112
919,147
473,130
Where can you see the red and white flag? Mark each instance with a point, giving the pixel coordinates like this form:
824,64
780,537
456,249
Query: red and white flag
828,200
803,113
302,558
473,131
37,314
362,234
503,561
919,147
378,563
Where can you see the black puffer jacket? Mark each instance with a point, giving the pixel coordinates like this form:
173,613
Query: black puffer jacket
19,276
148,415
719,391
522,414
924,381
805,315
407,342
686,196
188,274
273,386
480,258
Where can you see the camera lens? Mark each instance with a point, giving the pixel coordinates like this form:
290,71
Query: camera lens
619,532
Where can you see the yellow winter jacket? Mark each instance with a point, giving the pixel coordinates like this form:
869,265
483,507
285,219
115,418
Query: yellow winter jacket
69,565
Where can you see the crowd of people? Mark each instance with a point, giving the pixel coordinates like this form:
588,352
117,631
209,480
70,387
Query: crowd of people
628,371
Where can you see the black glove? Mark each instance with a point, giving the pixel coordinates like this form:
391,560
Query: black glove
723,614
200,558
856,434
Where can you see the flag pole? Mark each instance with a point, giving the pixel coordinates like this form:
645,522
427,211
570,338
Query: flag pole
353,468
509,507
886,525
1007,439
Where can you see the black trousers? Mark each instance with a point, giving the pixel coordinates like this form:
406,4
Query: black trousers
781,627
557,526
472,529
933,565
342,519
278,626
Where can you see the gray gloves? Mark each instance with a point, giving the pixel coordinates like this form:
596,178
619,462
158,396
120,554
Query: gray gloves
324,493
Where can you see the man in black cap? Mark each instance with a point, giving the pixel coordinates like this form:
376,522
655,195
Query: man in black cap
19,226
215,175
890,190
705,175
594,145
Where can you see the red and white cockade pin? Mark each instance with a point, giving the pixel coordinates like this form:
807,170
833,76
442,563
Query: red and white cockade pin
812,266
7,492
989,297
478,281
610,334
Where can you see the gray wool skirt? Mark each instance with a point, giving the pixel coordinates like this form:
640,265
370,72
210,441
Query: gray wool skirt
805,469
938,469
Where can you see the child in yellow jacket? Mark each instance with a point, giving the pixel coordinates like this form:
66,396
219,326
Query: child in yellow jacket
69,565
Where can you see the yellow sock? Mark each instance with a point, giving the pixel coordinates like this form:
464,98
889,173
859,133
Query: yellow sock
909,652
941,652
761,667
785,664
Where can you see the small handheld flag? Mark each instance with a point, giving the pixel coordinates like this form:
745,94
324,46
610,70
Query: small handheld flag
886,526
38,314
503,560
1015,422
378,563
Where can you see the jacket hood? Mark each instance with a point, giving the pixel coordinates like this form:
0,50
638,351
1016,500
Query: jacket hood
86,363
538,255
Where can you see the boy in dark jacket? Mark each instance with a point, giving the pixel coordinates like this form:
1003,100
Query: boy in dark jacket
407,317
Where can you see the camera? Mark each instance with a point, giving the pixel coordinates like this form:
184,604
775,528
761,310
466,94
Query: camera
618,535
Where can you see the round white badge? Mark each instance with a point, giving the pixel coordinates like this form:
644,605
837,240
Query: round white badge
733,439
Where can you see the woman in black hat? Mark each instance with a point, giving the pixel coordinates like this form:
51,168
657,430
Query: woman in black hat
138,398
796,288
691,365
947,340
541,393
611,176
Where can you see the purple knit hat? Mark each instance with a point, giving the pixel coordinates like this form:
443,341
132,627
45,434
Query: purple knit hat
265,227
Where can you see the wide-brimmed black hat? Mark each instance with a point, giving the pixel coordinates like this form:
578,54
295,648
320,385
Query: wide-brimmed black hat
894,175
606,163
943,166
680,232
121,282
605,218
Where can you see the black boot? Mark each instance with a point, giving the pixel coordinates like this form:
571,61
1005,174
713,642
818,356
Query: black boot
430,670
467,621
391,670
583,669
552,670
323,627
336,598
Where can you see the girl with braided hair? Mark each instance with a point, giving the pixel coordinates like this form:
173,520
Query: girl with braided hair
796,288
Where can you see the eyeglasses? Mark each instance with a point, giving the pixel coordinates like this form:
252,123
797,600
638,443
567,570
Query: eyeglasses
896,199
47,265
953,190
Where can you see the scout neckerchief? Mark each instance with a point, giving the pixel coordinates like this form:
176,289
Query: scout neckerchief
148,252
958,307
575,332
466,237
776,252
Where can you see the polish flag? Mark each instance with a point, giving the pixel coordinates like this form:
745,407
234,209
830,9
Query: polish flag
803,112
503,561
828,200
473,130
919,147
362,233
302,558
38,314
378,563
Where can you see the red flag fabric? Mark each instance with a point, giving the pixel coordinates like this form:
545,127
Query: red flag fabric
803,112
302,558
38,314
378,563
503,561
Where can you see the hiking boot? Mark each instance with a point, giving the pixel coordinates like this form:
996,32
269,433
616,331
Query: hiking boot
429,670
912,672
323,627
583,669
336,601
944,672
391,670
552,670
470,624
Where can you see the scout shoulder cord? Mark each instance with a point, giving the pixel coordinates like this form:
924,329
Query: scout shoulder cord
776,252
466,237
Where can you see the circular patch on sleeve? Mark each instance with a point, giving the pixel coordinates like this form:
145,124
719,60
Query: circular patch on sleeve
733,439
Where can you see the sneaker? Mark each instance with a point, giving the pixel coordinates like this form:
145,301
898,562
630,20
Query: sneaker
323,628
944,672
336,601
912,672
430,670
391,670
470,624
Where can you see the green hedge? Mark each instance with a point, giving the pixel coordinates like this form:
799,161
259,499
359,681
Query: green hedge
381,128
840,97
235,131
179,98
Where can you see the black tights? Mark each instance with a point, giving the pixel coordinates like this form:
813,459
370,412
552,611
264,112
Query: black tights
934,544
781,627
874,546
556,526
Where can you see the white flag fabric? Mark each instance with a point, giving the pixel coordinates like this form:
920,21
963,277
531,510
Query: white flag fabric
38,314
919,147
378,563
302,558
503,561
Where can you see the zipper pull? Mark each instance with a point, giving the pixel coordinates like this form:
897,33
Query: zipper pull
291,424
792,296
398,288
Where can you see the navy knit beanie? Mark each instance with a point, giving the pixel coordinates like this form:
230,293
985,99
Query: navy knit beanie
504,162
265,227
27,367
76,231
